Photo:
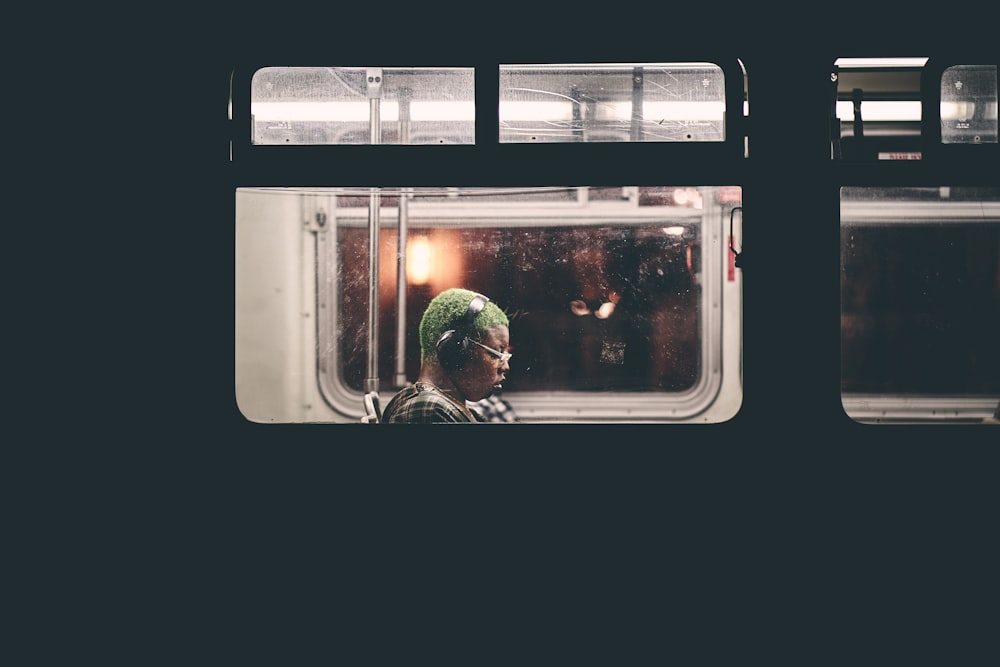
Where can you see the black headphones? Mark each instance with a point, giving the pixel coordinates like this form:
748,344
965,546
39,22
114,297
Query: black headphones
453,345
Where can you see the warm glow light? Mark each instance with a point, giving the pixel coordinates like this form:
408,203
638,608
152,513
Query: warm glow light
418,260
675,230
687,197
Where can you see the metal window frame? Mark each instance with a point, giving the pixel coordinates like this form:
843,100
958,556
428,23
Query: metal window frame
551,406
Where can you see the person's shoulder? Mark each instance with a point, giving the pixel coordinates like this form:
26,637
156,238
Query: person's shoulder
413,406
435,408
398,402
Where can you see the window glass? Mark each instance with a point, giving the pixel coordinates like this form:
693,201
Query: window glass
624,302
877,109
646,102
602,299
969,104
920,301
358,105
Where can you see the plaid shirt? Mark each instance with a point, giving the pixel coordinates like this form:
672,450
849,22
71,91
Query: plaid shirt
494,409
424,405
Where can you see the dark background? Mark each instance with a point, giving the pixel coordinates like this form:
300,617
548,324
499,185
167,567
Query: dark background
789,534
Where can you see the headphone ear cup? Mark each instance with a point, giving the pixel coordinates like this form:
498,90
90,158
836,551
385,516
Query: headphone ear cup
451,349
453,345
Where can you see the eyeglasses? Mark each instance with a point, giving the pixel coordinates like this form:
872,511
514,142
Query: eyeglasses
502,356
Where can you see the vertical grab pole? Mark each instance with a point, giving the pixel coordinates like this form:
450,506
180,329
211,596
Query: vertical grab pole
404,213
374,202
400,378
635,128
859,125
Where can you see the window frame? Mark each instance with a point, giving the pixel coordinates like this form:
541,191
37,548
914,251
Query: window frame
555,405
954,165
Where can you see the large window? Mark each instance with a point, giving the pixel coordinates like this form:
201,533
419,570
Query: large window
623,301
919,255
920,302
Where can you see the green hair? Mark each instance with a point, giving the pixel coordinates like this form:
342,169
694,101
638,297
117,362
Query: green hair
446,310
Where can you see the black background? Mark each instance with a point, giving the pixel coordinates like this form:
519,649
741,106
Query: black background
789,534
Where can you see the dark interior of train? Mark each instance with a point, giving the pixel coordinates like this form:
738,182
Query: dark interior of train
562,336
925,293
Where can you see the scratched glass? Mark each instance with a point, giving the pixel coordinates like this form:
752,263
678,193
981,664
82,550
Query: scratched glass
626,102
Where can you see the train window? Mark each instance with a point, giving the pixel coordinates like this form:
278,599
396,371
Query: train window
647,102
969,104
876,110
920,303
624,302
373,105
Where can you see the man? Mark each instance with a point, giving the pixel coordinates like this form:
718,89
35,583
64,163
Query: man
463,357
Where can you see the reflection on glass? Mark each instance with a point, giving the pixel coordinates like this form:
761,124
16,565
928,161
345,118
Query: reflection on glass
969,104
596,302
667,102
920,291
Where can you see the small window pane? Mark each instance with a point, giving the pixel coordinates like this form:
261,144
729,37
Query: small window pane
877,112
920,302
612,103
343,105
969,104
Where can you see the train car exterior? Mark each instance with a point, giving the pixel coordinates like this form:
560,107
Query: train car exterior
332,272
805,470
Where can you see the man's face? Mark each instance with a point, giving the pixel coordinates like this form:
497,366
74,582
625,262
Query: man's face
483,373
